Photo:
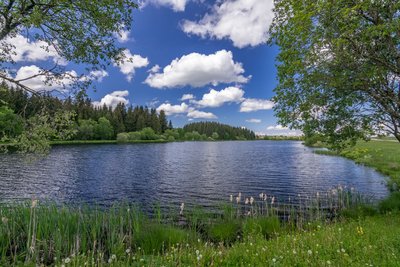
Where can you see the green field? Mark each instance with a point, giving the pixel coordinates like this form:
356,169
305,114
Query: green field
382,155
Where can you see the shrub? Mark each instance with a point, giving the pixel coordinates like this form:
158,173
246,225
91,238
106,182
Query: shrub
266,226
392,203
156,238
226,232
133,136
122,137
357,212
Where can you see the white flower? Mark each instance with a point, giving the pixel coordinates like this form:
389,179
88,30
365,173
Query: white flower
328,262
4,220
274,260
197,252
246,201
113,257
231,198
309,252
34,203
272,200
67,260
251,200
343,250
128,251
182,207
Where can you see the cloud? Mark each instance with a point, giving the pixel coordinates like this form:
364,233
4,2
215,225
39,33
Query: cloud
252,104
173,109
122,36
244,22
97,75
197,114
184,108
34,78
277,127
130,63
187,97
281,130
33,51
154,69
113,99
218,98
254,120
176,5
198,70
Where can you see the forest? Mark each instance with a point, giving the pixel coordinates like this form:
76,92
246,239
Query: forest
38,116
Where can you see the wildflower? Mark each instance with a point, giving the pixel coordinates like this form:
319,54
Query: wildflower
238,198
360,230
294,251
198,240
246,201
110,260
34,203
248,213
272,200
128,251
251,200
274,260
231,198
309,252
261,195
67,260
182,207
113,257
265,197
197,252
4,220
141,259
343,250
328,262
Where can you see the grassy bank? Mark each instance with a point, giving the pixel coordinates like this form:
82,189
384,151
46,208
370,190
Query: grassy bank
43,234
382,155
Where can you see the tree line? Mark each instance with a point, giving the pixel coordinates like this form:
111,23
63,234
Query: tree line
91,122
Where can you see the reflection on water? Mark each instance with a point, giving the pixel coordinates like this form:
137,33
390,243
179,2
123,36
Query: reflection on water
203,173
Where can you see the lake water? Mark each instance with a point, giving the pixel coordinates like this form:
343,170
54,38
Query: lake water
201,173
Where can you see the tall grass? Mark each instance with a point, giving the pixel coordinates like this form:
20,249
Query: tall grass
44,233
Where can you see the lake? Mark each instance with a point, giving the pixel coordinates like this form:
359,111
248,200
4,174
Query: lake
197,173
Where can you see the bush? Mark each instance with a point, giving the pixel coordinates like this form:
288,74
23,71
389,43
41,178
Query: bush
133,136
156,238
226,232
360,211
392,203
266,226
122,137
148,134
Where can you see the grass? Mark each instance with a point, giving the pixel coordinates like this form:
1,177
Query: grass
46,234
382,155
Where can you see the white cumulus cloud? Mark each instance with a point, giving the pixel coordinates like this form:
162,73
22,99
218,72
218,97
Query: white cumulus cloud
122,36
113,99
187,97
198,70
245,22
254,120
34,78
197,114
173,109
130,63
277,127
33,51
218,98
253,104
176,5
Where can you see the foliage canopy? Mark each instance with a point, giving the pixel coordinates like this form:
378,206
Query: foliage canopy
339,67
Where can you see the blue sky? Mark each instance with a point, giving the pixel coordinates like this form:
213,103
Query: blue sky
214,53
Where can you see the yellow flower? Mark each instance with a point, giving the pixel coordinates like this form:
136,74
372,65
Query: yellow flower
360,230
